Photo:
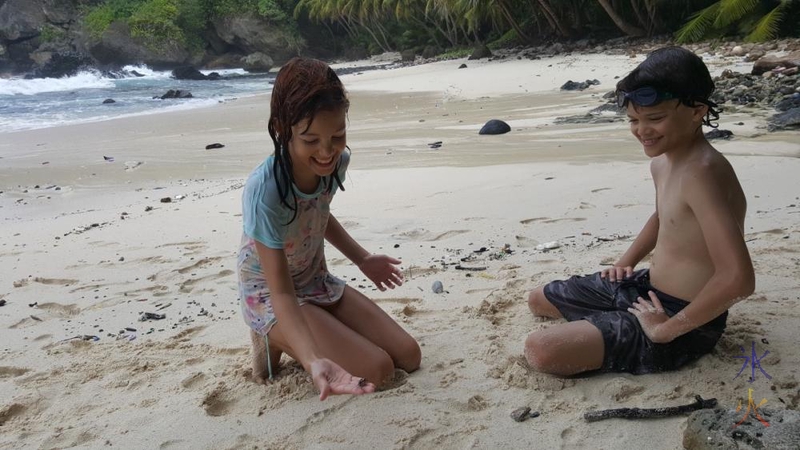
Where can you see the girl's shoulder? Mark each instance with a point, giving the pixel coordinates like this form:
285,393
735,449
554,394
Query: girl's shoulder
261,184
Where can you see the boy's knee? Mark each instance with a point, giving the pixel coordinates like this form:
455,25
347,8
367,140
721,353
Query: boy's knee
537,301
410,355
539,353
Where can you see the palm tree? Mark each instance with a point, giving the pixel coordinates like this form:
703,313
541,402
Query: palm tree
619,21
724,13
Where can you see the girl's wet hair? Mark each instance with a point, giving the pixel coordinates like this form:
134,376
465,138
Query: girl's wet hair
302,88
681,73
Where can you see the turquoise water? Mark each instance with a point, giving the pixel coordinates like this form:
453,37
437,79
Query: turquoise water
47,102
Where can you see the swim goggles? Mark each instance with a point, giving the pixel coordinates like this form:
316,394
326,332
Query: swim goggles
644,96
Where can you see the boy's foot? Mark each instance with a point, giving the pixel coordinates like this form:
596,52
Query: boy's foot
259,353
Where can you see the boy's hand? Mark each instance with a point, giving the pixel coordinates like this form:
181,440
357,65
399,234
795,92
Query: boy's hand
330,378
616,273
382,270
651,316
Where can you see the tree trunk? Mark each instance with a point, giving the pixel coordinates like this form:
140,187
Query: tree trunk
641,18
512,22
553,19
626,28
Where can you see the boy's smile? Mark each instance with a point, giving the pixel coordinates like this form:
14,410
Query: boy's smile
664,127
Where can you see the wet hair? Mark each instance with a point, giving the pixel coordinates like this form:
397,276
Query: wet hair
679,72
303,88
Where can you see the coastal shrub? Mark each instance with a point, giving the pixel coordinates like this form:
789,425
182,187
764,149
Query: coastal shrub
154,22
51,33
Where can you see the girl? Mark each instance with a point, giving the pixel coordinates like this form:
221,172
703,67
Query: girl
289,299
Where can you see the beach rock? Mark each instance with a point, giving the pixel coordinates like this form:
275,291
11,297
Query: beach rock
785,120
431,51
713,429
495,126
788,103
214,145
176,93
213,76
437,287
521,414
62,65
59,12
754,55
187,73
578,85
738,51
481,51
771,62
108,101
462,66
116,46
257,62
2,303
407,55
716,133
226,61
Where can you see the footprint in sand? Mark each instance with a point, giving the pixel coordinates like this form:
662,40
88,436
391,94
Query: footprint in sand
420,234
49,281
594,191
193,380
188,285
10,412
11,372
218,402
526,242
199,264
535,219
59,310
566,219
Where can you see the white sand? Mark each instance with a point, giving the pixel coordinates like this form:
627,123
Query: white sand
185,385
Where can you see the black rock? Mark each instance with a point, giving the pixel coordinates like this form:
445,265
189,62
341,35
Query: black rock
60,65
716,133
166,200
495,126
108,101
188,73
136,74
436,144
578,85
213,76
784,120
2,303
788,103
214,145
175,93
462,66
407,55
521,414
480,51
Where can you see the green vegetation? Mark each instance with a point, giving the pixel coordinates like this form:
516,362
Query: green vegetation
383,25
51,33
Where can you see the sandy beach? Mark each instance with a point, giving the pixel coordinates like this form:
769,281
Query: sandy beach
88,246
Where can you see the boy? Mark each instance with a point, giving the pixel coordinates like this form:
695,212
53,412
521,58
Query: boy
621,320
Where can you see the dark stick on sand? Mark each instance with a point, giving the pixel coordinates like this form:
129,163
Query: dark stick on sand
473,269
650,413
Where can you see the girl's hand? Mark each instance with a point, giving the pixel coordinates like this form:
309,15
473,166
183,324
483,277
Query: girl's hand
651,316
331,379
382,270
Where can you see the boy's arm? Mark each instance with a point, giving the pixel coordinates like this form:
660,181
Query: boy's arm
341,239
644,243
733,277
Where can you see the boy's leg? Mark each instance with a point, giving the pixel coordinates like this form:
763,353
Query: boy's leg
366,318
260,369
566,349
339,343
540,306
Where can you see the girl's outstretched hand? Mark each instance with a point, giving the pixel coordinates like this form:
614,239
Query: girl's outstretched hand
331,379
382,270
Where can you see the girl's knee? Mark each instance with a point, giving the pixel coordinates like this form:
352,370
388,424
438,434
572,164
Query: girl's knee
410,355
380,370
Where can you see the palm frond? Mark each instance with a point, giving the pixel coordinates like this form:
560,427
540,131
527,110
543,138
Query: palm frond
732,10
769,25
698,24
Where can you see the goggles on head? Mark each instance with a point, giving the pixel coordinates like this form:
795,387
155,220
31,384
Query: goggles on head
644,96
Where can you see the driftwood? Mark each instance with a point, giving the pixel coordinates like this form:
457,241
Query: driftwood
474,269
649,413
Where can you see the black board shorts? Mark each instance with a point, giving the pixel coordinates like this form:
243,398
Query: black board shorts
605,305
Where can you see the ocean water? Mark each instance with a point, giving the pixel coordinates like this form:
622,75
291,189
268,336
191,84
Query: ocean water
47,102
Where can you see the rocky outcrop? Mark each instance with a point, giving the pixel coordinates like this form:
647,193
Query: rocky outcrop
116,46
253,35
21,19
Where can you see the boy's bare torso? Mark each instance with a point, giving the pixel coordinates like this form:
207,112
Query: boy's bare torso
681,265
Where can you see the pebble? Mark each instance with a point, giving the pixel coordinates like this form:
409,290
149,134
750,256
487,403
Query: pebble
437,287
